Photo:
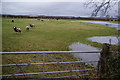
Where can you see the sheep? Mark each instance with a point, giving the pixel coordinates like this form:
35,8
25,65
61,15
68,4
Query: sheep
27,28
17,29
32,25
12,21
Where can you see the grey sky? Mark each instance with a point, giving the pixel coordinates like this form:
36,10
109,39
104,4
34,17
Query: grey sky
44,0
48,8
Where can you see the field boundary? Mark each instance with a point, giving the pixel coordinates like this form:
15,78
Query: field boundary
42,54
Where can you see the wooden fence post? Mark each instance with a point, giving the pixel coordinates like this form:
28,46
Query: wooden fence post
104,55
118,39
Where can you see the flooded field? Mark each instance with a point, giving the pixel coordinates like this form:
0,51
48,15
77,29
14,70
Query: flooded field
102,23
106,39
85,56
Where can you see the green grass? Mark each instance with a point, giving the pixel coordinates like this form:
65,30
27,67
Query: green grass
49,35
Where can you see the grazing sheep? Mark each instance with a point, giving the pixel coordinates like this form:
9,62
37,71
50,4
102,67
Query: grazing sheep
32,25
17,29
27,28
12,20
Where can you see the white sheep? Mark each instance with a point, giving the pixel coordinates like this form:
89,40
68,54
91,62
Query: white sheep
27,28
32,25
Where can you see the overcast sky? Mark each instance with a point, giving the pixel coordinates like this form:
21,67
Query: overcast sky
51,0
50,7
43,0
46,8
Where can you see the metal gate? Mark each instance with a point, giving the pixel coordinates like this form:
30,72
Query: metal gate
45,53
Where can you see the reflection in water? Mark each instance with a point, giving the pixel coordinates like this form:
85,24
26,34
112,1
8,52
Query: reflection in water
85,56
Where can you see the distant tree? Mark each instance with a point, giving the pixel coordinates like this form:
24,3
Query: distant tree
100,5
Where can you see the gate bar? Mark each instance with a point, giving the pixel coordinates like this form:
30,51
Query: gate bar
46,63
46,72
48,52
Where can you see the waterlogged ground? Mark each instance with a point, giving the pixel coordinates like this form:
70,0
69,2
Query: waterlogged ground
114,40
102,23
85,56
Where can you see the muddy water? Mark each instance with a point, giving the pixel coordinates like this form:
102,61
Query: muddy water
85,56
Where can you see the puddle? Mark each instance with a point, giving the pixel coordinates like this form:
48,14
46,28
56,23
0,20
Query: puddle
85,56
106,39
102,23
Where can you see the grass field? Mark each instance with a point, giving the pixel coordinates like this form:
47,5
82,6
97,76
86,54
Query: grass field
48,35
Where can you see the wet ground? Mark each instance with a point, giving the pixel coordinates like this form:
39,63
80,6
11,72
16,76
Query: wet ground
85,56
103,23
106,39
102,39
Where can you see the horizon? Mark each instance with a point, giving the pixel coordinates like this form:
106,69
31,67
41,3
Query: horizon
76,9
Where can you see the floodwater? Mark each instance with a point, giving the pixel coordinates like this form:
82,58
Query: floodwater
102,23
85,56
106,39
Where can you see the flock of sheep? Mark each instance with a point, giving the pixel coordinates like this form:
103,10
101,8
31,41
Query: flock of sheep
16,29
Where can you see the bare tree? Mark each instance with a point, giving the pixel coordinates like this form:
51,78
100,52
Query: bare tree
102,5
